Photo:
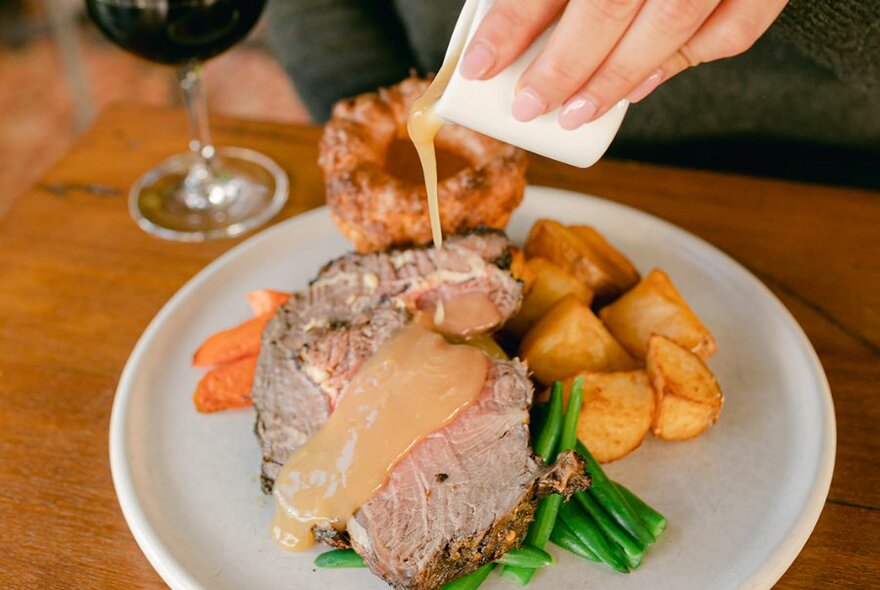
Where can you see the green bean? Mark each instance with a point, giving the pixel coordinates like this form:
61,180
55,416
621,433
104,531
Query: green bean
548,437
586,529
545,515
610,499
340,558
548,508
537,419
633,550
472,580
545,446
527,556
568,438
655,521
562,536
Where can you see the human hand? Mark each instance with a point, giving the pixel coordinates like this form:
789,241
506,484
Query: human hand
604,50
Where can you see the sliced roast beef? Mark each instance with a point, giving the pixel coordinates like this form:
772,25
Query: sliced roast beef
464,495
322,335
302,363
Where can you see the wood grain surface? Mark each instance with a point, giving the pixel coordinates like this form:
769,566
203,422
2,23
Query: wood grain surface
79,282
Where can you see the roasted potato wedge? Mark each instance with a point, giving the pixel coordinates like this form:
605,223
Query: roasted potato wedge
570,339
655,306
617,412
687,394
585,253
550,283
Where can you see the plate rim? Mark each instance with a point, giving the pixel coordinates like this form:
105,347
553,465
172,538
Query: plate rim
173,573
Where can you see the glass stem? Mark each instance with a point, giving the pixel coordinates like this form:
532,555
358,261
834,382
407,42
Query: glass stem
198,191
190,79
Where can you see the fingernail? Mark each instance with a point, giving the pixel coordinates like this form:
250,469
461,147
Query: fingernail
478,60
576,112
646,87
527,105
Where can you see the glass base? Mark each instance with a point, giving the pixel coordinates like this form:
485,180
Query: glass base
185,199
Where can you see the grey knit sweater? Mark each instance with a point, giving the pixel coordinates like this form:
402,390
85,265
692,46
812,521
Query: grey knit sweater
804,102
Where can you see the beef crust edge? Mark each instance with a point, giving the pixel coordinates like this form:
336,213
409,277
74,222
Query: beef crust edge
566,476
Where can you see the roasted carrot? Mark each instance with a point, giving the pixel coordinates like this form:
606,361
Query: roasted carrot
266,300
226,386
232,344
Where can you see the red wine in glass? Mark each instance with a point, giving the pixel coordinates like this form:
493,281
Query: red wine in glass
209,192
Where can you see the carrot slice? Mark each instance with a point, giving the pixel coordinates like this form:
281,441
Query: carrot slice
266,300
232,344
226,386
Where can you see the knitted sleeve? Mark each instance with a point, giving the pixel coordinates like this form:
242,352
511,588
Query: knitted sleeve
337,48
843,35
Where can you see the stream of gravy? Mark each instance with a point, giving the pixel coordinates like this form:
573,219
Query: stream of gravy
414,385
423,124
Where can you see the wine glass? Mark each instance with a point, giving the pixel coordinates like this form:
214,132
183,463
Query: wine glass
208,192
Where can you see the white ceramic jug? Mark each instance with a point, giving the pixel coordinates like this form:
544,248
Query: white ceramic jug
484,105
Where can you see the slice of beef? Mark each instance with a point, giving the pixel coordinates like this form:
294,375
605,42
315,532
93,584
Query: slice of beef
322,335
301,363
478,261
463,496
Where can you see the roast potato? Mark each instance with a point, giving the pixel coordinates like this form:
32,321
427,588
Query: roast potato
569,339
655,306
549,284
687,394
585,253
617,412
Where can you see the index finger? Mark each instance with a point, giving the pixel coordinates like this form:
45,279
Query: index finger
508,28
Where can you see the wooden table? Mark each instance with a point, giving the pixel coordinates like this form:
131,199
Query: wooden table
79,282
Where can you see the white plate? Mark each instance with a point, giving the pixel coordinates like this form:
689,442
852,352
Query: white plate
741,499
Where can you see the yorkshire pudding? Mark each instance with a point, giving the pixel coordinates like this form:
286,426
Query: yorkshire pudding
379,201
